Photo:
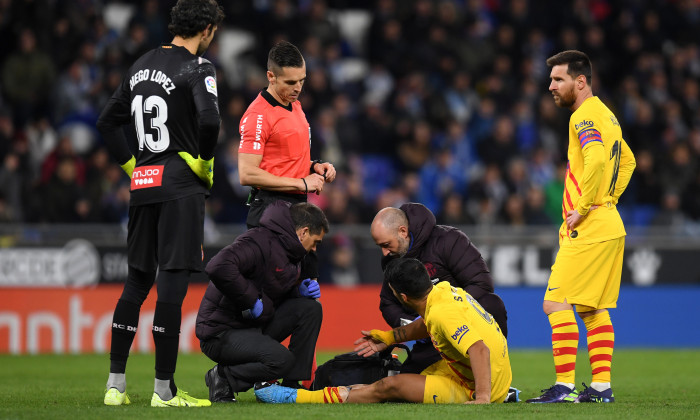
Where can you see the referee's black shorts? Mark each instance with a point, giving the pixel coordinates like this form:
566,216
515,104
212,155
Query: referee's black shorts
168,235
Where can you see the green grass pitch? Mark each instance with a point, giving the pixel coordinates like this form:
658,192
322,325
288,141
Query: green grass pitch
648,384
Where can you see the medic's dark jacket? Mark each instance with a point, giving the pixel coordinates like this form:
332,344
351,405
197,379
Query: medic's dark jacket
263,263
447,254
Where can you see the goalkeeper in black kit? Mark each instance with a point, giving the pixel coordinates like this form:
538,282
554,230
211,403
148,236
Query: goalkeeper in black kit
170,96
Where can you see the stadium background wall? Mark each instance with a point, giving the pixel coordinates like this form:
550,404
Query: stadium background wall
61,320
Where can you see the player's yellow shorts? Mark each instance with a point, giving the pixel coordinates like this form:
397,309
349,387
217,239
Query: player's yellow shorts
587,275
442,387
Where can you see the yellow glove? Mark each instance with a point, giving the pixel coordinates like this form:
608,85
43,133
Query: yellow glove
386,337
204,169
129,166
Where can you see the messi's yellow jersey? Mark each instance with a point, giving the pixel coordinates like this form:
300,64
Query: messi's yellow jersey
455,321
600,167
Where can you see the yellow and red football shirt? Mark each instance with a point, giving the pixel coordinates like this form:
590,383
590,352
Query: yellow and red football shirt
281,134
600,167
455,321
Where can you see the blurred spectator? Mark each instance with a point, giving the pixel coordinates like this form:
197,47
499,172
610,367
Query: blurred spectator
114,205
453,212
65,198
11,190
680,169
63,151
343,270
415,151
153,21
513,212
535,210
227,203
441,94
27,77
499,147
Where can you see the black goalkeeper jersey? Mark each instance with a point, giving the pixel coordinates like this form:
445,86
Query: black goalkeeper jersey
170,97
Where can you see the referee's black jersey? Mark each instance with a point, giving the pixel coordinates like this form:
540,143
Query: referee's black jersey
170,96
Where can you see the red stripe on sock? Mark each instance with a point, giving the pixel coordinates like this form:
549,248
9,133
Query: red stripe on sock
334,390
601,369
601,329
563,325
325,399
565,336
601,343
601,357
564,350
566,367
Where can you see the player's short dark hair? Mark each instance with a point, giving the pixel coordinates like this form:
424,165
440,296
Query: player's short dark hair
579,63
284,54
189,17
309,215
408,276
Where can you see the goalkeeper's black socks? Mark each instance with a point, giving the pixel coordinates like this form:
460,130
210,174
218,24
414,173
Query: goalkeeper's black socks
166,336
124,323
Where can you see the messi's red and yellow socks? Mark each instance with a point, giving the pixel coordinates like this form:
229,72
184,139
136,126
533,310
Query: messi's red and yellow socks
601,340
327,395
564,344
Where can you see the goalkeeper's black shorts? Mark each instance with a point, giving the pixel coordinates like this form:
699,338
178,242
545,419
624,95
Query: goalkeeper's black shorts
168,235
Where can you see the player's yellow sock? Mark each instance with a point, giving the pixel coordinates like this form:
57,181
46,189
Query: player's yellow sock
564,344
601,340
327,395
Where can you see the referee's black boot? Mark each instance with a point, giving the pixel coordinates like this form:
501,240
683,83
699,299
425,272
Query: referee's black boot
219,389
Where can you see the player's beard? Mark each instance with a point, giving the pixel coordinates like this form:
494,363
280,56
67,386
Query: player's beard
566,99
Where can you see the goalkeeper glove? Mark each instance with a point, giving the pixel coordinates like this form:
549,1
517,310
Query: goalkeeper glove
204,169
129,166
310,288
254,312
386,337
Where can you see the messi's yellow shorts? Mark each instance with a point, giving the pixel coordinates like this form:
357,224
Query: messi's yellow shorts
587,275
442,387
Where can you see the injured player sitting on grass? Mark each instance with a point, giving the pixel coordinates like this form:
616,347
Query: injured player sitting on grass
475,366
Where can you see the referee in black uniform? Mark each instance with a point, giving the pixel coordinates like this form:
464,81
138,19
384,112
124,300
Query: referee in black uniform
170,96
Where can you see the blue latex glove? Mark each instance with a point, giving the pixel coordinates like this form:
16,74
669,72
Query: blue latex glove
254,312
310,288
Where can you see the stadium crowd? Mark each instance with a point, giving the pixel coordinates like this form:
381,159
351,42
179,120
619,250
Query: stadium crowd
441,102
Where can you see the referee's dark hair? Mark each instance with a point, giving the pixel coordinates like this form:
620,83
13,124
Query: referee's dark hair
309,215
408,276
189,17
579,64
284,54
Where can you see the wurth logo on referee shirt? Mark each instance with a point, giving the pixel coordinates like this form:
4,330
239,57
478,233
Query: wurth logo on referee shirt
147,177
258,132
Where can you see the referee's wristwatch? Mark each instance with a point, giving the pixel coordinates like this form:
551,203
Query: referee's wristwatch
313,163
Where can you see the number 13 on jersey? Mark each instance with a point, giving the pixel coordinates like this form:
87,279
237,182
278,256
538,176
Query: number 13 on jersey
155,109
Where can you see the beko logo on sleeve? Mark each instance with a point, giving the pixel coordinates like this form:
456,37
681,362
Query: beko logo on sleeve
583,124
460,333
